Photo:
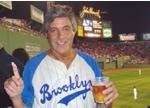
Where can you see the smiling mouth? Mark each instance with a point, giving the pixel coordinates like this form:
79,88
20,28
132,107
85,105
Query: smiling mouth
61,42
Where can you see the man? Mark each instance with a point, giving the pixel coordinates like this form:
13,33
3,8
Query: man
60,77
5,73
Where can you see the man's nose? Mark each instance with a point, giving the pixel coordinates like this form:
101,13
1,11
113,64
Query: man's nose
61,34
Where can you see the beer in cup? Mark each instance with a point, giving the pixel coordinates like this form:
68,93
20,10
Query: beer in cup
98,85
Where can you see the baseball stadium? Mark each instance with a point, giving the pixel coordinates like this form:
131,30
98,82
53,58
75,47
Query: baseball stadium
125,59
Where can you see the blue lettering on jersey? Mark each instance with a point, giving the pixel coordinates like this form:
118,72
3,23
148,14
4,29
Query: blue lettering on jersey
73,85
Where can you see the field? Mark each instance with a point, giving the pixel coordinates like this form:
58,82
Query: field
124,80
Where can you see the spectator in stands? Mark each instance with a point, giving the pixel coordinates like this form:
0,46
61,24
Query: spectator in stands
5,73
61,76
21,55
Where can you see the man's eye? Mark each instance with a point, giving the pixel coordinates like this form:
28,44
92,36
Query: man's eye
67,28
52,30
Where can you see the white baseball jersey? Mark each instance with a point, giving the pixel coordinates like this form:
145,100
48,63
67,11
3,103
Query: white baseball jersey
49,84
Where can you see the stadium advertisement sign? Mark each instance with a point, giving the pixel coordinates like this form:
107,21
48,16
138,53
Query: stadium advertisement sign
90,22
107,33
146,36
32,49
92,28
37,14
107,29
127,37
7,4
80,31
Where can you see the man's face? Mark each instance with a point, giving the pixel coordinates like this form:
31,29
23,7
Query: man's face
61,35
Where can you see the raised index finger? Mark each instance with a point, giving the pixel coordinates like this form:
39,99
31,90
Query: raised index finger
15,70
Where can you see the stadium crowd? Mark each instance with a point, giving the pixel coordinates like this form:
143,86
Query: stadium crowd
17,25
136,52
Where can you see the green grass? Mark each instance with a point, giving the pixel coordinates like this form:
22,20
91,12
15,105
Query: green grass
124,80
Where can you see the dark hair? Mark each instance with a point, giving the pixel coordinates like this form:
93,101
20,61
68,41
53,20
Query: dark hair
59,11
21,55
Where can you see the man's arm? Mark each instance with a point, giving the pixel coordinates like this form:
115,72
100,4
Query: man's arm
17,102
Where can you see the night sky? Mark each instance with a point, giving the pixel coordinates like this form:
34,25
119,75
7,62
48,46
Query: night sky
126,16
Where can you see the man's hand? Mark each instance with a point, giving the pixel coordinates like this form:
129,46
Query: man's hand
14,85
111,94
